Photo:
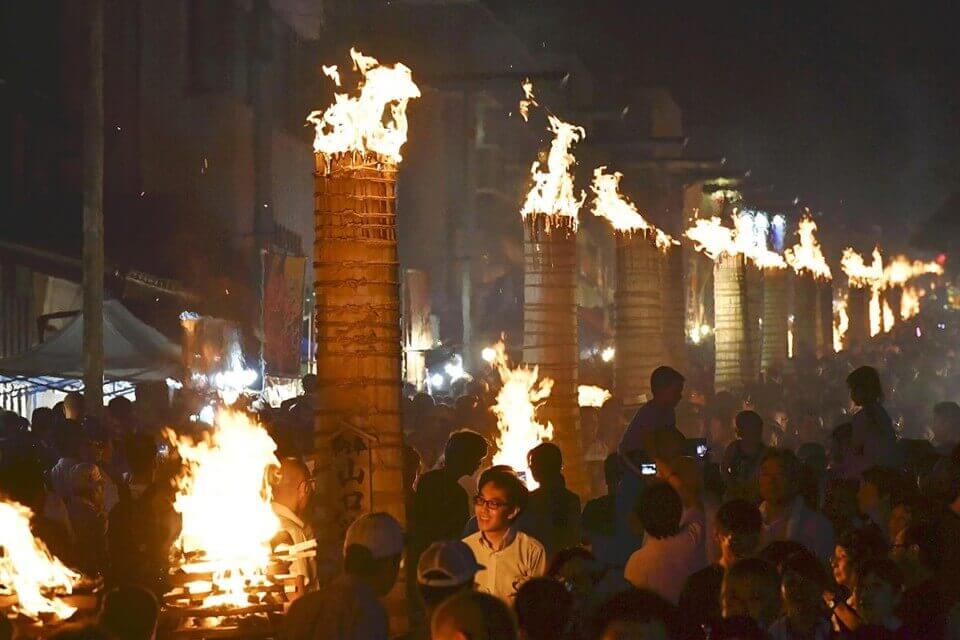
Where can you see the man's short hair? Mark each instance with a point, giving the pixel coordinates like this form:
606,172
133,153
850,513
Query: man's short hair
659,509
664,377
749,420
508,482
543,609
476,615
547,458
788,461
739,517
465,446
129,613
633,605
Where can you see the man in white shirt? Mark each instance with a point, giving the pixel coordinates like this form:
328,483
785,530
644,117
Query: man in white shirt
672,549
291,494
509,557
785,516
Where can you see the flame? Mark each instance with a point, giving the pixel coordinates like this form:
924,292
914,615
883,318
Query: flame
861,274
711,238
841,322
356,124
888,317
224,496
910,302
516,411
622,214
528,100
552,192
331,72
807,255
27,568
590,396
901,269
876,311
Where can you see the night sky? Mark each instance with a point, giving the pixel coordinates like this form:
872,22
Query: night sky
850,107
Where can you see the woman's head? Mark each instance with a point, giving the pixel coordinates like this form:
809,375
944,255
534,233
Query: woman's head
864,385
852,551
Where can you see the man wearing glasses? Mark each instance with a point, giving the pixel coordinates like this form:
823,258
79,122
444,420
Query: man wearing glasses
291,495
510,557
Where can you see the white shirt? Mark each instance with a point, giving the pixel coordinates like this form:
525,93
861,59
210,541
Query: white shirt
663,564
299,532
517,559
799,523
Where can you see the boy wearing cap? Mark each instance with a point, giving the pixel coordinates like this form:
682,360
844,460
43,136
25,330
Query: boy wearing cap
445,569
349,608
509,557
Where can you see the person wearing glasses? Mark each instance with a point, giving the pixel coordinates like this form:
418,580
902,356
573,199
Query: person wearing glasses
509,556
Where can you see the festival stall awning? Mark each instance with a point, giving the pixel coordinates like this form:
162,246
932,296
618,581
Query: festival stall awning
133,351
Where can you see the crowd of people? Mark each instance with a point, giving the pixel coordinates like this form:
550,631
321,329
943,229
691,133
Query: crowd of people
821,502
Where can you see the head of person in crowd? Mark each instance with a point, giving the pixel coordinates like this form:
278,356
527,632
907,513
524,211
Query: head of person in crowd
120,413
750,430
543,609
140,452
916,549
577,570
95,444
877,593
130,613
42,420
907,509
634,614
372,549
658,510
946,422
879,487
802,585
73,406
473,616
738,528
464,452
293,485
86,483
852,551
445,569
751,587
864,385
666,385
308,383
501,496
546,464
779,478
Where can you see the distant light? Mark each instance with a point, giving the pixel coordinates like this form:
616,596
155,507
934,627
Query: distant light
206,414
919,333
174,384
489,354
608,354
455,370
436,380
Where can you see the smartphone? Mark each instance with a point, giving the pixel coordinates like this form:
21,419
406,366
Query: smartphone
696,447
648,468
163,449
702,450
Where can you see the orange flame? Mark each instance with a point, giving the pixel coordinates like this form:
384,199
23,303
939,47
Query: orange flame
901,269
590,396
861,274
516,410
223,495
553,193
910,302
528,100
356,124
28,570
622,214
841,322
807,255
711,238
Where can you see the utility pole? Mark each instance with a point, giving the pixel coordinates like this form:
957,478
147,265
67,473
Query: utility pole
93,214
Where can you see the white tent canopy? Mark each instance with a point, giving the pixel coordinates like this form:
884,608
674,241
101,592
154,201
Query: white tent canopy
133,351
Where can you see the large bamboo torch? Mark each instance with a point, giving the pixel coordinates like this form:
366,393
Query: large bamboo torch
824,318
640,299
774,340
806,259
359,444
674,309
550,291
733,370
864,306
904,298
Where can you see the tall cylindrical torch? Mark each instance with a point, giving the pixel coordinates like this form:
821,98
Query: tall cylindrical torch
644,287
674,309
824,318
731,322
774,341
358,437
806,258
550,291
858,316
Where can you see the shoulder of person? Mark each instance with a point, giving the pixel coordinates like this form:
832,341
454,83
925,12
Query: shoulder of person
530,544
